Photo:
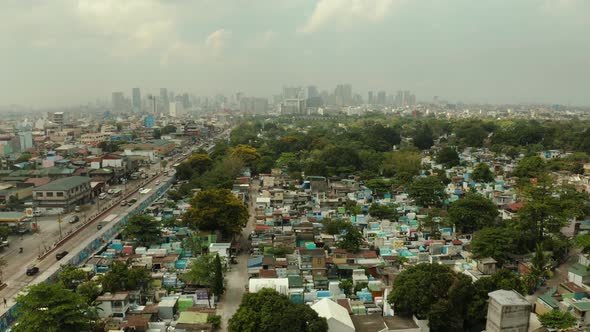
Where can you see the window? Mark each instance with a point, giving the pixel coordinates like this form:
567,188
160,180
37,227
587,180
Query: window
49,194
60,194
39,194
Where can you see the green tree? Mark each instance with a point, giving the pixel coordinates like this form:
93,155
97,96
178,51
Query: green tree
143,228
423,138
168,129
495,242
427,191
351,240
217,287
583,241
89,291
482,173
267,310
248,154
448,157
222,175
379,186
346,286
51,308
121,277
472,213
558,319
215,321
381,211
196,164
334,226
530,167
70,277
403,165
217,209
418,287
4,232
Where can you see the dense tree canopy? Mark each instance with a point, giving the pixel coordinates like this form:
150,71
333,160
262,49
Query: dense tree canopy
448,157
269,311
495,242
142,228
51,308
217,209
472,213
558,319
427,191
122,277
482,173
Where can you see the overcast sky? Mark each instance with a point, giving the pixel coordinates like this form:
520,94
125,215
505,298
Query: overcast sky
63,52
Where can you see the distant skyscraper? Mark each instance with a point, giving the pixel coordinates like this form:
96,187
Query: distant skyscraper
381,98
136,100
370,98
343,94
291,92
399,98
164,102
186,101
176,109
312,92
118,101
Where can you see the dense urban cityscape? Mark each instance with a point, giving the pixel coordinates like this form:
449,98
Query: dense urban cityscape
320,166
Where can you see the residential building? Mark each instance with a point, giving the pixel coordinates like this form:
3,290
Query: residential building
63,193
338,318
113,304
58,118
94,138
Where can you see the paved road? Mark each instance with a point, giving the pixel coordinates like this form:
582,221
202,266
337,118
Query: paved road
33,244
237,278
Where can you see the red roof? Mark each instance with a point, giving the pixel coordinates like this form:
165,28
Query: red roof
515,206
262,228
457,242
267,273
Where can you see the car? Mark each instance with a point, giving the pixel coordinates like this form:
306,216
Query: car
32,270
132,201
110,191
74,219
123,203
99,226
157,182
61,254
77,208
141,189
102,196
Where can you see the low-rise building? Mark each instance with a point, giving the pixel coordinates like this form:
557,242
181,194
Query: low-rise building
63,193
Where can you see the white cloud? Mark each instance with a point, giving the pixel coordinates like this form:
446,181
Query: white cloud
343,12
210,50
264,39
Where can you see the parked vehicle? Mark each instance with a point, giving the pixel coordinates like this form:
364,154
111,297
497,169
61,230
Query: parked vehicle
132,201
102,196
123,203
61,255
77,208
4,243
73,219
32,270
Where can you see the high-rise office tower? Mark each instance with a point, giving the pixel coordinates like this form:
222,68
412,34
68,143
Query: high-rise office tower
164,102
118,101
370,98
312,92
291,92
136,100
186,102
343,94
381,98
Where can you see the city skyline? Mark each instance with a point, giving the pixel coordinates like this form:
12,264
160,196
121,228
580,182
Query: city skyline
502,52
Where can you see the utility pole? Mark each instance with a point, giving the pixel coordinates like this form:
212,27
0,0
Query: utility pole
59,222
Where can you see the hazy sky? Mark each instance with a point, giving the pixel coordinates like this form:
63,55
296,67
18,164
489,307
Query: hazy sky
62,52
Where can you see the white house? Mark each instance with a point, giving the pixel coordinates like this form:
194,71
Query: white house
338,318
113,304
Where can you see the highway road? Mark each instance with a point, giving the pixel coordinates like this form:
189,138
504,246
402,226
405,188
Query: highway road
13,274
